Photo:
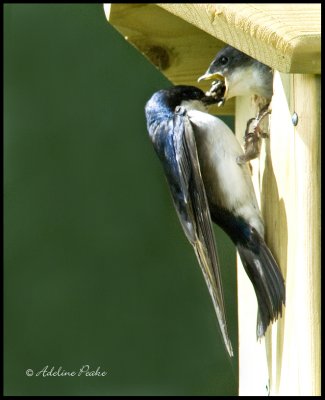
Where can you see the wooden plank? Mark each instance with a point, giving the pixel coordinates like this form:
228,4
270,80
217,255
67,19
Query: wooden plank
286,37
178,49
287,176
253,367
296,164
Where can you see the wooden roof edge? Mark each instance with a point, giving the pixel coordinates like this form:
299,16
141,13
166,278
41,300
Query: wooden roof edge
172,45
262,31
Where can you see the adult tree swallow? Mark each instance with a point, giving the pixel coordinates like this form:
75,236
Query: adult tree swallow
238,74
198,153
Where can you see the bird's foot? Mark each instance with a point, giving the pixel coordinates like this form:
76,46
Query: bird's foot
253,136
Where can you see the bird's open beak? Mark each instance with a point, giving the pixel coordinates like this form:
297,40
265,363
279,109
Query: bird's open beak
208,76
216,86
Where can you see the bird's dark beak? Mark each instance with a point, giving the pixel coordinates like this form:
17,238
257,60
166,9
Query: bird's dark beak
208,76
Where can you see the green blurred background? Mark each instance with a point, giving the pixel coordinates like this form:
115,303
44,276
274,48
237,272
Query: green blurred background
97,268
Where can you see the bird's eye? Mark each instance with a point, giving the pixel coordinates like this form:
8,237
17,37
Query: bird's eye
223,60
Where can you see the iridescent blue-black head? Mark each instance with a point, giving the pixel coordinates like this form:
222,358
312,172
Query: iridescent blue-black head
163,103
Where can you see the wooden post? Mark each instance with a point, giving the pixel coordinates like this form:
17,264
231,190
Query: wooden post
287,181
253,370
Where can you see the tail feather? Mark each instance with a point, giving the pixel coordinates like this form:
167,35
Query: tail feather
267,280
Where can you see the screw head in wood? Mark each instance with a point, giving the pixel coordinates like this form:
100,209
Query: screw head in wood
294,119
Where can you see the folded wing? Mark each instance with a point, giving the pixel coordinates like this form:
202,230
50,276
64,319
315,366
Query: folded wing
198,225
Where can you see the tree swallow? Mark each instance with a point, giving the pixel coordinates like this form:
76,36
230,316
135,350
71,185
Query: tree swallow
198,153
242,74
238,74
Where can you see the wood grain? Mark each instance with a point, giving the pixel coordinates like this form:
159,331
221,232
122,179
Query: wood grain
287,37
287,181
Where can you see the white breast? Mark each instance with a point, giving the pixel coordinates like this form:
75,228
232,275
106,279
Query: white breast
227,184
248,82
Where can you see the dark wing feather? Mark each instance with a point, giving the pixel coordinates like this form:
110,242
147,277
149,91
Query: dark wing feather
198,215
266,278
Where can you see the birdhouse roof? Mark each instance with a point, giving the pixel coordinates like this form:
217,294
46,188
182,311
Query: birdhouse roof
182,39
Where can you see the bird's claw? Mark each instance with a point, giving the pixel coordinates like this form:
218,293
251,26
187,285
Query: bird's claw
253,136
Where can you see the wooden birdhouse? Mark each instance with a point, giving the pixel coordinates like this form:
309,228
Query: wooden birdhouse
181,40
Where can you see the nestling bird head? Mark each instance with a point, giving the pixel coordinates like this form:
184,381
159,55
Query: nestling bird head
241,74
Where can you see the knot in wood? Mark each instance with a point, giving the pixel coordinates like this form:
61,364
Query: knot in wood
158,56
